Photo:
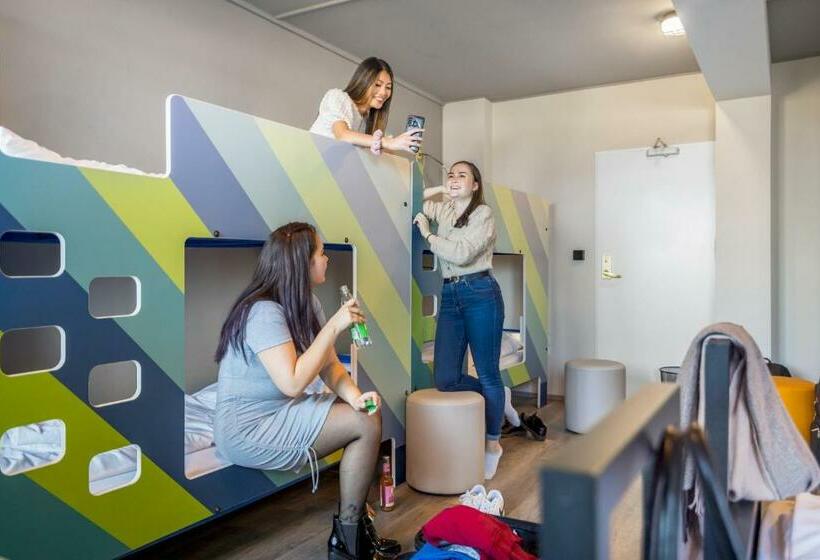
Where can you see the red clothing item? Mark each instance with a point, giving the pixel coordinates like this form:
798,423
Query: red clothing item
469,527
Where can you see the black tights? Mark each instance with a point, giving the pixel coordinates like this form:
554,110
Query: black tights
360,436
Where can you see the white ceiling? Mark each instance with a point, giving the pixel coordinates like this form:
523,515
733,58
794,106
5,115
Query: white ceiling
500,49
505,49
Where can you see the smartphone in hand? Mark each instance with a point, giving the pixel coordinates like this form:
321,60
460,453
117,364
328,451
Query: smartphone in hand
415,121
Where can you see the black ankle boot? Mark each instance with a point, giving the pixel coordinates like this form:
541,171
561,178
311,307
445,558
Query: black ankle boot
343,545
385,548
366,545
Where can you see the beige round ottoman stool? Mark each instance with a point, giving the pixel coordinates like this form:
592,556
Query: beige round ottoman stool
445,441
592,388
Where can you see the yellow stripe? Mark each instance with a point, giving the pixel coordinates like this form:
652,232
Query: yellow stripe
322,196
519,374
535,285
155,212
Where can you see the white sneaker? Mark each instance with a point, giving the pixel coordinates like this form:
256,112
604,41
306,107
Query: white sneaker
475,497
494,503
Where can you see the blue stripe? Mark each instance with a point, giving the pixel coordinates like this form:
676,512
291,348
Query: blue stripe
391,425
368,207
539,255
203,177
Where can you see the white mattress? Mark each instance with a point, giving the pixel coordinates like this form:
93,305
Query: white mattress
512,352
201,457
16,146
202,462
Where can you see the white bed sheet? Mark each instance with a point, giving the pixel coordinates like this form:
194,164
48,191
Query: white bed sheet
25,448
201,456
14,145
114,469
512,351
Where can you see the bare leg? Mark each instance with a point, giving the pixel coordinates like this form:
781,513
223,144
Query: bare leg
360,436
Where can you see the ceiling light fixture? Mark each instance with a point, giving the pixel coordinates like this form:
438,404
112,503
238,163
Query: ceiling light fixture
671,25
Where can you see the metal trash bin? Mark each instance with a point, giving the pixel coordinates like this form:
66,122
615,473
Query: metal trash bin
669,374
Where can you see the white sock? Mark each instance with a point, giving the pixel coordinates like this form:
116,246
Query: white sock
491,463
509,412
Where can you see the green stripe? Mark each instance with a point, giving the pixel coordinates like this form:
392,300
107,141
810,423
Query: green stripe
36,525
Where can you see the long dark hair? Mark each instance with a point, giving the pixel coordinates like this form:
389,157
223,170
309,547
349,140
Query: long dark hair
478,194
359,84
282,275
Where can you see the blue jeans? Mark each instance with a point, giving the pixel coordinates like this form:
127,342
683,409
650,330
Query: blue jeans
472,312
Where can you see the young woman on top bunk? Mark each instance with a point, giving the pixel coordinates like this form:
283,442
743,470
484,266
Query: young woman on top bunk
358,113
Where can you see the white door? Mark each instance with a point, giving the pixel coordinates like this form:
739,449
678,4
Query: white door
655,225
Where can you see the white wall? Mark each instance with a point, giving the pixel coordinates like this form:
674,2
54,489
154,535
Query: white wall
467,134
743,232
546,145
89,78
796,162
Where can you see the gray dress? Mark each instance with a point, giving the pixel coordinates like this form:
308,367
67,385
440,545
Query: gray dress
256,425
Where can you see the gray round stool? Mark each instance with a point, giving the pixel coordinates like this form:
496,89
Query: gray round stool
592,388
445,441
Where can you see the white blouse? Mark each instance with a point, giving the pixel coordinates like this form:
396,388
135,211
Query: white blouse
337,106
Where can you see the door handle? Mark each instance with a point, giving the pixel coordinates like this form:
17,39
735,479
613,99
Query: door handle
606,269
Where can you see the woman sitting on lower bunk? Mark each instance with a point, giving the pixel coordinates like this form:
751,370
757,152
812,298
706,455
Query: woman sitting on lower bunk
273,344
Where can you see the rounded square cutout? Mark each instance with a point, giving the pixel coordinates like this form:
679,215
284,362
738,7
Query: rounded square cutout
32,350
114,383
31,254
114,296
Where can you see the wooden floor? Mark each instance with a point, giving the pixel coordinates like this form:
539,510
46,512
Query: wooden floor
294,524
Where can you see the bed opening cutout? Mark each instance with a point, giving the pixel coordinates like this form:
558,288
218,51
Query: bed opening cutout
33,446
114,470
429,261
508,270
216,272
32,350
429,306
31,254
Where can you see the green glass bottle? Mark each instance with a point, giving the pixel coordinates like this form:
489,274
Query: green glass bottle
358,331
